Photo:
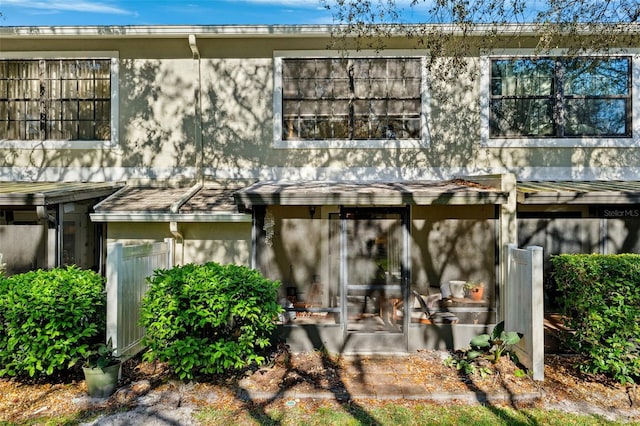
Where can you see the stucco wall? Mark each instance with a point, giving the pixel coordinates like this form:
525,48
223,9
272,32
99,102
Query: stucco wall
203,242
158,122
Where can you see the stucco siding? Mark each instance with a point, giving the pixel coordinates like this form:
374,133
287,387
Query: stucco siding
201,242
160,124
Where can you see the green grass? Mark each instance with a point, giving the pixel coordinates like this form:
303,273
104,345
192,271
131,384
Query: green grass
397,414
329,413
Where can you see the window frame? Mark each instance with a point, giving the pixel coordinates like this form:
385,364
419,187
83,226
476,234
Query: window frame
487,141
113,58
280,143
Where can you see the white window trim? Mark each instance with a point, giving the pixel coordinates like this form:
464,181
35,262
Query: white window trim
278,142
113,56
584,142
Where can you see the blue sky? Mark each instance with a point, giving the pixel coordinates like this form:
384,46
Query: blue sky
158,12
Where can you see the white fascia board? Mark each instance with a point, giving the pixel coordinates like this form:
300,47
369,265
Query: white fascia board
261,31
168,31
173,217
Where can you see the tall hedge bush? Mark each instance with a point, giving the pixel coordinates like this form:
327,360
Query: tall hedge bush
207,319
49,320
600,295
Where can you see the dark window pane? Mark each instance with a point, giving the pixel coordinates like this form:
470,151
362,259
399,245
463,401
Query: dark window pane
32,130
308,129
18,110
70,110
85,129
85,89
56,99
32,110
289,129
522,77
361,128
412,127
591,98
597,77
349,98
69,130
323,69
324,129
411,88
103,130
596,117
341,129
290,89
527,117
54,130
86,110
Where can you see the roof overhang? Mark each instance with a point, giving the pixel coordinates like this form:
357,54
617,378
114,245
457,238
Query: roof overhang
579,192
269,31
452,192
167,204
143,216
21,194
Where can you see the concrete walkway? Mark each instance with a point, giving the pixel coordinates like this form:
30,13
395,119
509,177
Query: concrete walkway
420,376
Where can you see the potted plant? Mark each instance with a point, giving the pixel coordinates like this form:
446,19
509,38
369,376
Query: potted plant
475,290
101,370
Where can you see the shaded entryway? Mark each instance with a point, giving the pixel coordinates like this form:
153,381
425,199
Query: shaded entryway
342,251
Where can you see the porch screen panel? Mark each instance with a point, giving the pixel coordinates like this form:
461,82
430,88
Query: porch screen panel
358,98
374,273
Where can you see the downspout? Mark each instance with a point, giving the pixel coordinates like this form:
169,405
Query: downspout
195,52
173,225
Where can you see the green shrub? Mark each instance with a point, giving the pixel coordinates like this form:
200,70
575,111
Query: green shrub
600,295
208,319
49,320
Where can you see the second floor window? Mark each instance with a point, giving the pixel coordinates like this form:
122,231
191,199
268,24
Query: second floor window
351,99
560,97
55,99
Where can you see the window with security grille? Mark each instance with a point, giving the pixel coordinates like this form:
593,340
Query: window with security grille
55,99
351,98
560,97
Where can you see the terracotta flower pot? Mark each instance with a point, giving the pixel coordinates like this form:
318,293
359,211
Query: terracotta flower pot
477,293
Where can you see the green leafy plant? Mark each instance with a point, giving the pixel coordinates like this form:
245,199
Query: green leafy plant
469,367
494,344
209,319
50,320
3,267
470,285
600,298
484,347
101,355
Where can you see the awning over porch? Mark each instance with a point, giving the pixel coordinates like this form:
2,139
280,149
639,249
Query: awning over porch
456,192
579,192
17,194
167,204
